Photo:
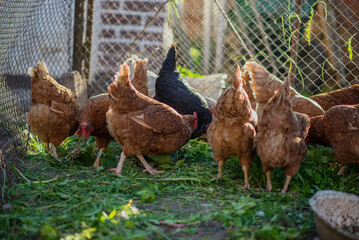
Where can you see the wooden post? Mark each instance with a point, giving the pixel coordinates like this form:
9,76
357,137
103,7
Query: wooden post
336,43
220,36
294,45
242,27
82,37
78,48
207,9
88,39
263,36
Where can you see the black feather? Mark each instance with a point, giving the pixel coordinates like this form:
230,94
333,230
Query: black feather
174,91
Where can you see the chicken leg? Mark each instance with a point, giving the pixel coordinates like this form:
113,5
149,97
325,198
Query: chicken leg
76,150
47,147
54,153
286,184
148,169
77,144
220,174
269,183
341,170
246,182
118,169
98,159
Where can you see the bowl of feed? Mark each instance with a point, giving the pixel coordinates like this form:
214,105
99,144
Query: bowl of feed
336,215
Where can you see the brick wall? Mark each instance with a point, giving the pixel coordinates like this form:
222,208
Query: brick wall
117,23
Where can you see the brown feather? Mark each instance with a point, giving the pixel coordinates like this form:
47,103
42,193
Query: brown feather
54,114
344,96
263,84
232,130
281,131
140,78
339,129
158,129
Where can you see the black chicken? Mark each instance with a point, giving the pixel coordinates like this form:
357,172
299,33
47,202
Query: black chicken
174,91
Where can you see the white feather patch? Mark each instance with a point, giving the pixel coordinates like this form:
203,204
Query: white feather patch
113,96
57,111
352,128
141,122
30,71
141,116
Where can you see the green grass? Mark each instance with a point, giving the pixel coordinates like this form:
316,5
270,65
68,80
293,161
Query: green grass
70,200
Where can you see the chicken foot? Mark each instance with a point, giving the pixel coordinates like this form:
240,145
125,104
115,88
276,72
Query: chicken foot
54,153
77,144
341,170
98,159
76,150
148,169
220,174
118,169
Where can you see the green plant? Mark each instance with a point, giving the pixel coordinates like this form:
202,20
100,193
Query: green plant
70,200
188,73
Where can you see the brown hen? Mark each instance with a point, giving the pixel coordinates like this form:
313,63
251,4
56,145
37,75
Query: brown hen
92,115
92,119
54,113
338,128
233,127
344,96
280,136
142,125
263,84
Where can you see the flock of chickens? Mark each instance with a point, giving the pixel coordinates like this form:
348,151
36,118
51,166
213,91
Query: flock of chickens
258,114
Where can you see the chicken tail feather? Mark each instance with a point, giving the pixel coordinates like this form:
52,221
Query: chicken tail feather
238,81
123,74
284,91
169,64
36,72
140,68
122,78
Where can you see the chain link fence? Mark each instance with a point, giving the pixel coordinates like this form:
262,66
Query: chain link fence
328,43
122,29
30,31
212,36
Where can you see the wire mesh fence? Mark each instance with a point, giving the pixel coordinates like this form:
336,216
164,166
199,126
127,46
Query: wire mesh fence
30,31
212,36
328,36
122,29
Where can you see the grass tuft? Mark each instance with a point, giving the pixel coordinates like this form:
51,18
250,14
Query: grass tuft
67,199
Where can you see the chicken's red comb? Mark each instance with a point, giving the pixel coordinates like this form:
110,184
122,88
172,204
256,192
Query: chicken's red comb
195,114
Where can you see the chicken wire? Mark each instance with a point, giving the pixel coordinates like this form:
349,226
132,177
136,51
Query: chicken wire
323,58
30,31
208,40
123,29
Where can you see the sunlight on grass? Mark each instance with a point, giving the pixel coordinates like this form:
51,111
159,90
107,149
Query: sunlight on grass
70,200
